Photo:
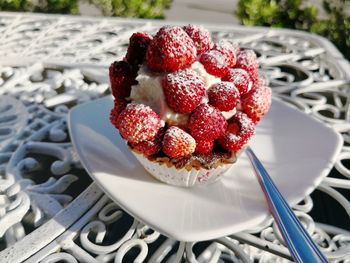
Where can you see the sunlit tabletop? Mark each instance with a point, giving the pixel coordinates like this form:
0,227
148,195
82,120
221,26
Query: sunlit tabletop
51,211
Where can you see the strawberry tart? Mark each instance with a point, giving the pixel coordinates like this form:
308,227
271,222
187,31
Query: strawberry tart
186,106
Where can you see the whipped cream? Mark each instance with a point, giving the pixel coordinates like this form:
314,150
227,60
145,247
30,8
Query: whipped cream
149,91
208,79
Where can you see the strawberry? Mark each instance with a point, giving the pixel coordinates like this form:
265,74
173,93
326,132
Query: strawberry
119,106
178,143
240,129
183,90
122,76
247,60
137,48
260,82
203,146
257,102
224,96
137,123
170,50
207,123
228,49
200,36
215,63
240,78
152,146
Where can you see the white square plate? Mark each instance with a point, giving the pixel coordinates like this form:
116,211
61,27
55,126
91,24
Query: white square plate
297,151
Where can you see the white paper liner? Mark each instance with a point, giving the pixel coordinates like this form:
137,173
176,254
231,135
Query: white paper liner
182,177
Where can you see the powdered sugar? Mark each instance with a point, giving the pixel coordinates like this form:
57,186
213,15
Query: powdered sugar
247,60
239,131
150,147
224,96
189,83
240,78
200,36
207,123
257,102
229,49
170,50
183,90
204,146
138,122
215,63
178,143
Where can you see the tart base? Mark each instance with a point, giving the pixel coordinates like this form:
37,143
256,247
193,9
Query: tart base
184,177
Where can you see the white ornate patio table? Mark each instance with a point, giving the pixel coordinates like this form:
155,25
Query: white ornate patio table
51,211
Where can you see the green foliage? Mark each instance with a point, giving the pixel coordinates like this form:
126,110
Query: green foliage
133,8
55,6
49,6
125,8
334,24
277,13
337,26
12,5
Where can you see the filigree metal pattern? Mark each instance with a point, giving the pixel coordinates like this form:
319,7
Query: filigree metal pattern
49,209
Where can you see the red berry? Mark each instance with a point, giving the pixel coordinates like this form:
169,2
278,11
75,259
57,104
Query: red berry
122,76
137,48
240,129
152,146
204,146
257,102
215,63
207,123
240,78
224,96
260,82
138,122
200,36
119,106
178,143
247,60
183,90
228,49
170,50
